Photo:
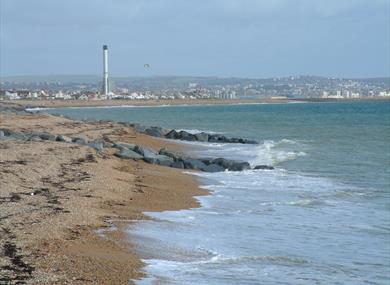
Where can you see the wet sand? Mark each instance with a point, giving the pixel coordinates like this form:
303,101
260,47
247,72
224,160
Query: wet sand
56,197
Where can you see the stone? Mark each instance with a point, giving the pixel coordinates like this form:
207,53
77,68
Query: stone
107,144
175,155
172,135
160,160
47,137
233,165
6,132
62,138
194,164
145,151
202,137
97,144
2,134
264,167
79,141
239,166
206,161
18,136
140,128
121,145
128,154
214,138
213,168
222,162
156,132
178,164
185,136
251,142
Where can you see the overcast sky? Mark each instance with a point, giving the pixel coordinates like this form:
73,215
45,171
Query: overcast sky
243,38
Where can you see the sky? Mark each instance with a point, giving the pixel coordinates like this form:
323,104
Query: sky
226,38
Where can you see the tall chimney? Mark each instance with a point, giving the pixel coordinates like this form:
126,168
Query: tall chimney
106,88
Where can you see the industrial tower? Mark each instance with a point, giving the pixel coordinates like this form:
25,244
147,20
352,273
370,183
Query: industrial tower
106,87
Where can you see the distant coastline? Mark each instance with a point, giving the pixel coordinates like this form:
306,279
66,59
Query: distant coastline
145,103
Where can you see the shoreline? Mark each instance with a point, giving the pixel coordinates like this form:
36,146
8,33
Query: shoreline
142,103
73,194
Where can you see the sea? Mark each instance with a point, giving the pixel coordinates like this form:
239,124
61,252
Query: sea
321,217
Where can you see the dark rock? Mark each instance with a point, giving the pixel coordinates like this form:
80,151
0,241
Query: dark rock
18,136
178,164
213,168
47,137
194,164
107,144
128,154
222,162
216,138
172,135
251,142
126,124
156,132
264,167
6,132
140,128
206,161
160,160
79,141
235,140
202,137
185,136
232,165
2,134
145,151
97,144
62,138
174,155
121,145
34,138
239,166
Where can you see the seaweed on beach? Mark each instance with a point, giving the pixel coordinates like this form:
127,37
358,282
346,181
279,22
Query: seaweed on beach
18,270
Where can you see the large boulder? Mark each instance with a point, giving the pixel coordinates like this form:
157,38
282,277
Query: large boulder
178,164
156,132
202,137
233,165
97,144
18,136
121,145
263,167
80,141
186,136
213,168
194,164
145,151
172,135
140,128
128,154
62,138
47,137
175,155
218,138
239,166
250,142
160,160
6,132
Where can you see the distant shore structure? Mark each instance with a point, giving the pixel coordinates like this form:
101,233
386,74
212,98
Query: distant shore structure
106,87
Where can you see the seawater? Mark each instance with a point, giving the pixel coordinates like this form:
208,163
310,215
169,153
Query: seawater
322,217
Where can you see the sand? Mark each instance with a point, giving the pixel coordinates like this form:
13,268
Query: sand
64,208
